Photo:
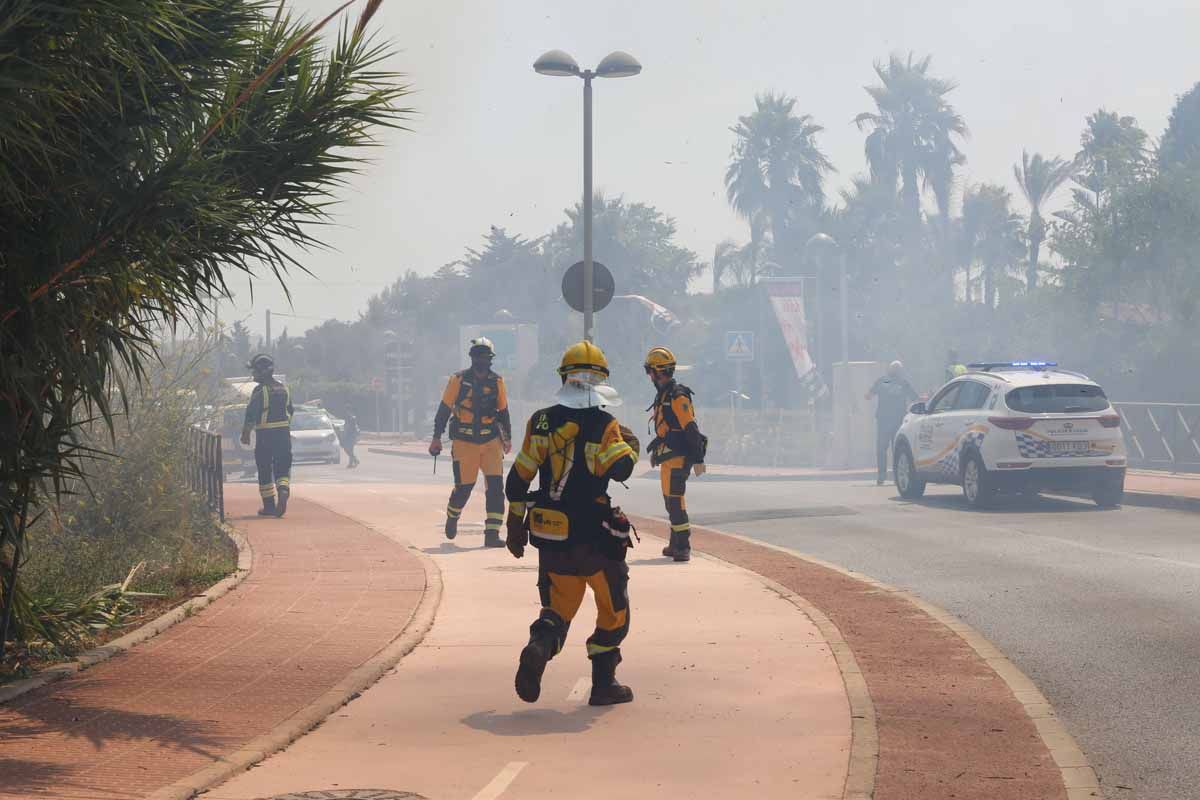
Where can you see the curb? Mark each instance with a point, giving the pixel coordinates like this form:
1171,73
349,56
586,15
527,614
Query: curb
1079,779
391,451
1171,502
145,632
345,690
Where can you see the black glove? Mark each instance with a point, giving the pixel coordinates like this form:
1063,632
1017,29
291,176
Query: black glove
517,537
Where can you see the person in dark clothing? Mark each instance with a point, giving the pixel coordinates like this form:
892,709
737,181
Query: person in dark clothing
894,393
269,415
349,439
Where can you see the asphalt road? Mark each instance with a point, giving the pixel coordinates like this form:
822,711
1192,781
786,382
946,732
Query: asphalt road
1100,608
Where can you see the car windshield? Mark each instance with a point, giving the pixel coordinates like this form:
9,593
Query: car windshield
310,422
1063,398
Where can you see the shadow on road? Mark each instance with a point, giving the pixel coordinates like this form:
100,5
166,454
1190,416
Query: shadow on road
32,777
1005,504
534,722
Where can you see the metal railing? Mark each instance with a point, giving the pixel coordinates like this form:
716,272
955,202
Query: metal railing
205,473
1161,435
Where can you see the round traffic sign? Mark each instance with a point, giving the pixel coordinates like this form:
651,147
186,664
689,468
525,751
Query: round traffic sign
603,286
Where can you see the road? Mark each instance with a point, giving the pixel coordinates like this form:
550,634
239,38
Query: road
1099,608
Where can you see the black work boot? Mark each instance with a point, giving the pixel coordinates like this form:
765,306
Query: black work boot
492,538
268,509
451,527
669,550
683,547
283,498
533,663
605,689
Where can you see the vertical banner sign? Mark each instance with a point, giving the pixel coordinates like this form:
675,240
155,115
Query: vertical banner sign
787,298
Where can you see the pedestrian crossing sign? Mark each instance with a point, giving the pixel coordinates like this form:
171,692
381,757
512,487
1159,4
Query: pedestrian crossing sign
739,345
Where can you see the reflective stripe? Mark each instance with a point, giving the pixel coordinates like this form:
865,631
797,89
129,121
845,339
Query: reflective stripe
597,649
496,517
266,405
266,490
615,451
266,426
516,509
681,528
526,462
549,537
453,512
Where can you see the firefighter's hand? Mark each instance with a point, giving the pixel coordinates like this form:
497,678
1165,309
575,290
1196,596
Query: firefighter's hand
245,438
699,469
435,446
628,437
507,445
517,537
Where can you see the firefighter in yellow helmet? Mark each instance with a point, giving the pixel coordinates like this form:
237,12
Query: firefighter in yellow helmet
574,448
475,404
677,447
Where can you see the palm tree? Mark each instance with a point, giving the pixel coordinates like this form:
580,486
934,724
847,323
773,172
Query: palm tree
913,132
777,173
1038,178
990,236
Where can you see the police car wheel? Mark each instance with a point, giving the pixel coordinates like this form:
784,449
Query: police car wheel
907,483
976,483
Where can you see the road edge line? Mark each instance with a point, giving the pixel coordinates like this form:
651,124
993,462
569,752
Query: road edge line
145,632
348,688
1079,778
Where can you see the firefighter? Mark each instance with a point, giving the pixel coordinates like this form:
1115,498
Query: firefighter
575,448
678,446
269,415
475,404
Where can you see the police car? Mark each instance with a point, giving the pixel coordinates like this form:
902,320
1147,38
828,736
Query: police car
1013,427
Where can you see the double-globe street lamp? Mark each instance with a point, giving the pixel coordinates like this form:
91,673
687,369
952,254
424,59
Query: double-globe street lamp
617,64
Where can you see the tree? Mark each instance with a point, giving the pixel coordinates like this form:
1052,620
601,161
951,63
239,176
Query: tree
239,338
913,132
1180,143
151,150
1038,178
776,177
634,240
991,236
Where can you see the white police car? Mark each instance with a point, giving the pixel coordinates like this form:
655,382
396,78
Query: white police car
1013,427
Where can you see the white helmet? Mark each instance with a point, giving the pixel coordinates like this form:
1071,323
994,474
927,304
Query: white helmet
482,344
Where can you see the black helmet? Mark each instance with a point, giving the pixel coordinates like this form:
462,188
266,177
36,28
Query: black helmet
262,365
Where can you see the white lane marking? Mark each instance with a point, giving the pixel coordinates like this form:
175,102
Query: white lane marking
579,691
501,781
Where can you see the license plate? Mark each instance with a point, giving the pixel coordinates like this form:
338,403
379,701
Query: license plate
1068,447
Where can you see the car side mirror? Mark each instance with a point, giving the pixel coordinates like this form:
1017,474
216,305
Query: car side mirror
917,408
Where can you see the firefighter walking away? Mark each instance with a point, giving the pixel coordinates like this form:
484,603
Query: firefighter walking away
678,446
574,448
475,405
269,415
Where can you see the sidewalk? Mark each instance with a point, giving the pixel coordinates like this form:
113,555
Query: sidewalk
324,595
737,692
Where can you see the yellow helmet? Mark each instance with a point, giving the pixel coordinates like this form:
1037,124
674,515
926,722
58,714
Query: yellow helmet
583,357
660,359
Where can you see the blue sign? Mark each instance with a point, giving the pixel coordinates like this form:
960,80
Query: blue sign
739,345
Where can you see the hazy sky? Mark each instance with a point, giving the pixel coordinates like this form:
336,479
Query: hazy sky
493,143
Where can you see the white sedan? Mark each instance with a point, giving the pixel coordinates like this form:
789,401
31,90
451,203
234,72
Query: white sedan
1014,427
314,438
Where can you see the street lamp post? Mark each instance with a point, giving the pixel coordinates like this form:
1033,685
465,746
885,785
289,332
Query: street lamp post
617,64
825,240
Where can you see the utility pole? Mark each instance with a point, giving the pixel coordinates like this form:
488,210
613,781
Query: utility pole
268,343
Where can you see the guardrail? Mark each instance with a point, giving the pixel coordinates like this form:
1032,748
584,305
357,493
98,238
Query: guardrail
1161,435
205,473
